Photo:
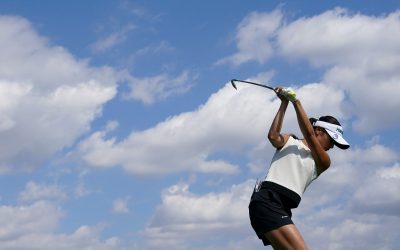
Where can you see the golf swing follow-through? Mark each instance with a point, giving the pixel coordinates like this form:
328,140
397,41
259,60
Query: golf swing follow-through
295,164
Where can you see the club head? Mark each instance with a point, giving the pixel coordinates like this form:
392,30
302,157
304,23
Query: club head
233,84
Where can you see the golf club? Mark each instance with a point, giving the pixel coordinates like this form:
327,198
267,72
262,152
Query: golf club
258,84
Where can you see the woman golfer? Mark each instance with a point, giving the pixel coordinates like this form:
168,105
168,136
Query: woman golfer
296,163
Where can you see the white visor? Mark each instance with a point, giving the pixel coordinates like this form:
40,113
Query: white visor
335,132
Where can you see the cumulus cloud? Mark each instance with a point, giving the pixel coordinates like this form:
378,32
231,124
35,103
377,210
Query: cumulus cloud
358,53
254,38
34,227
384,187
354,203
340,37
44,90
18,221
184,217
361,54
228,122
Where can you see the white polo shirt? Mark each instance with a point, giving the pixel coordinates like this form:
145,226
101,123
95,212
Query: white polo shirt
293,167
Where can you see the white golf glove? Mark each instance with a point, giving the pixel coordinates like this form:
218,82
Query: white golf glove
289,94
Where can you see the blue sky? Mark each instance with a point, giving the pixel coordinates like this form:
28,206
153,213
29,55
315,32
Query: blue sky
119,128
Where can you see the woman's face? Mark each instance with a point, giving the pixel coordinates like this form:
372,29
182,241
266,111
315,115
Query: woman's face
324,139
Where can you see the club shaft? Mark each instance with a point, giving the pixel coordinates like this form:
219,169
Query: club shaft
254,83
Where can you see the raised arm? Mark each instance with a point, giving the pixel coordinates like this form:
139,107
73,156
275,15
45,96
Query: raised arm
277,139
320,156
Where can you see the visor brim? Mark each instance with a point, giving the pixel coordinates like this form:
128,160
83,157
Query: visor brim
338,139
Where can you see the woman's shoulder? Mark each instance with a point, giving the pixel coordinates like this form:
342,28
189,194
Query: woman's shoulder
289,139
292,139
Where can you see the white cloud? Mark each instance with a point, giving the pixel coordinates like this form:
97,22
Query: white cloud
361,54
340,37
253,38
358,53
160,87
34,227
36,192
384,187
185,218
353,205
390,173
349,170
230,121
338,211
38,217
375,154
347,230
185,142
44,90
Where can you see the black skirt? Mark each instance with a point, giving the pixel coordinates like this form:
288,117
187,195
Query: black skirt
270,208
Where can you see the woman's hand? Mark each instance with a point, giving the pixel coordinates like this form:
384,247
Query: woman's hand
278,91
286,93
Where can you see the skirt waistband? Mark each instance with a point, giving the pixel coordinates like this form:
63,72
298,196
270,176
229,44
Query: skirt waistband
291,197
